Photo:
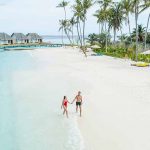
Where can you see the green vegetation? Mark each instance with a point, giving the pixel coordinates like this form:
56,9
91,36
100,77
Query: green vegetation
111,16
120,51
79,9
99,39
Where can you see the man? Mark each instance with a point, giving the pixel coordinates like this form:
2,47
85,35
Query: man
78,100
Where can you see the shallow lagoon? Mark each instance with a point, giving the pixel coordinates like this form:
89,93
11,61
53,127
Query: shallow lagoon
30,112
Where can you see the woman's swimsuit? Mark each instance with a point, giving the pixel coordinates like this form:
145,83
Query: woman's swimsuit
65,103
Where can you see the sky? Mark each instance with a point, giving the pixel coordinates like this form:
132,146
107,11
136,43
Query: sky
43,17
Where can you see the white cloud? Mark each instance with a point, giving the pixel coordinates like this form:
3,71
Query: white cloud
41,16
30,15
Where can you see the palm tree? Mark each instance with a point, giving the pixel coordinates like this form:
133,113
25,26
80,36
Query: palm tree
86,5
99,14
80,9
143,7
141,31
123,37
135,5
126,5
105,3
63,5
78,15
72,23
105,12
116,18
65,26
61,22
145,44
104,15
92,38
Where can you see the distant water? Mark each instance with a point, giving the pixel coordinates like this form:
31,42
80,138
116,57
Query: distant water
58,39
30,115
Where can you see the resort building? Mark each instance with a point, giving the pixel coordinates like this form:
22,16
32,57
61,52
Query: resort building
19,38
5,39
34,38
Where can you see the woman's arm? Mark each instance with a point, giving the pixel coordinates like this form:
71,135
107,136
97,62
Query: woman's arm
69,102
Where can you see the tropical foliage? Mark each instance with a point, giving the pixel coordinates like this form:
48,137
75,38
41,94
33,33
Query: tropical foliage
141,33
98,39
111,16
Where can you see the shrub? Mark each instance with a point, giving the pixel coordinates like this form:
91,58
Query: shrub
121,52
144,58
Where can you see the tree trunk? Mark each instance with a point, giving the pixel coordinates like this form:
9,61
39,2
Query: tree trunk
102,27
114,35
72,36
83,37
121,34
79,33
136,23
62,36
84,32
106,37
129,28
65,13
68,37
99,28
145,43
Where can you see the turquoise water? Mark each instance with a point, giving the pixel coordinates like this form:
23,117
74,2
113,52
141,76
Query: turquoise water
30,115
58,39
51,39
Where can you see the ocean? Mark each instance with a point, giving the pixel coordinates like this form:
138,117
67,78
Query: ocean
30,114
58,39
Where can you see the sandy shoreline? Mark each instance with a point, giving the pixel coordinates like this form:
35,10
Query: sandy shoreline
116,107
116,110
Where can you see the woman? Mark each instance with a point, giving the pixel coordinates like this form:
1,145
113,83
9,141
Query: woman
64,105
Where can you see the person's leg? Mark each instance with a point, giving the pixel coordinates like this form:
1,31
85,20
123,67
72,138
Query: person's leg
80,110
66,111
76,108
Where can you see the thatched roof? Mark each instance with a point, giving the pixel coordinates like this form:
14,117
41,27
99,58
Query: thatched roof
19,36
33,36
5,37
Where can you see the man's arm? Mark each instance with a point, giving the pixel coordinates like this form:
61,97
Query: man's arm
81,99
74,100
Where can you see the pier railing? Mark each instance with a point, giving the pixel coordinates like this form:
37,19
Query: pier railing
31,45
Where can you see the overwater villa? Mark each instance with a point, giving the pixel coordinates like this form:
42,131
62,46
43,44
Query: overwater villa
34,38
5,38
19,38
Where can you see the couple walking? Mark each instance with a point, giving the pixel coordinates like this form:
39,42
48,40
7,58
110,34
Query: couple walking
78,99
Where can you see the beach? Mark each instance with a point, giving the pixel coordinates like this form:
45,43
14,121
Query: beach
116,102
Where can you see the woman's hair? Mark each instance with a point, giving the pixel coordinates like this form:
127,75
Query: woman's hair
64,97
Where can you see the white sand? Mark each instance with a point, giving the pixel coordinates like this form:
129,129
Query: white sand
146,52
116,108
